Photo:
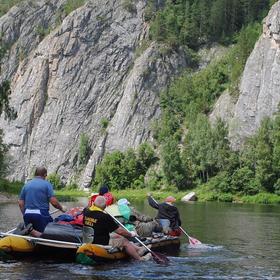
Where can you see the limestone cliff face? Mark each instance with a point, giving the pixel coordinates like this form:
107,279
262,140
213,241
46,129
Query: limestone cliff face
260,84
83,72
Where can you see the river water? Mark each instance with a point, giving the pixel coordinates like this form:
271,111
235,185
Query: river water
239,242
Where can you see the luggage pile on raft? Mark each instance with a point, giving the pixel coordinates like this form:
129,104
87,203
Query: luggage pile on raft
63,239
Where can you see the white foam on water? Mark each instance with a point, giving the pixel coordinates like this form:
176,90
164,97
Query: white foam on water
202,247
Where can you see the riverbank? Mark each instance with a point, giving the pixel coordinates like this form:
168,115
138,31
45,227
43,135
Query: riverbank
130,194
9,192
5,197
203,195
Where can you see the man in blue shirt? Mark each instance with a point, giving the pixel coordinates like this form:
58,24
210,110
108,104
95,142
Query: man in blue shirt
34,201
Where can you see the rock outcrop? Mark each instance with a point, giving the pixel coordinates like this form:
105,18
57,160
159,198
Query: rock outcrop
88,73
83,74
260,84
189,197
223,109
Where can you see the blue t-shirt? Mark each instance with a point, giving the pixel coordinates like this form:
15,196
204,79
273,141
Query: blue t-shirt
36,194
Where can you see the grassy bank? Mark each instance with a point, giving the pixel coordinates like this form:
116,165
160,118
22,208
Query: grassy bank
204,193
141,194
130,194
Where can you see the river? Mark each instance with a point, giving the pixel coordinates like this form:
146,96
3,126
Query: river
240,242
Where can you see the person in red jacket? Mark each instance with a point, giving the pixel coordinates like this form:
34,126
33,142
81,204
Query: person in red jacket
104,191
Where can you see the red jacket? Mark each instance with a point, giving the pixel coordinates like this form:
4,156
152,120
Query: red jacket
108,196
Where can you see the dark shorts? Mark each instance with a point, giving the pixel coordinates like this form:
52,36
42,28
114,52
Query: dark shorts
38,221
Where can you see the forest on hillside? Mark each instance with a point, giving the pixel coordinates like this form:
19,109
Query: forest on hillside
188,152
198,22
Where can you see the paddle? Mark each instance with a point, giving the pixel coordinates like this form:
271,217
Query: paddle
192,240
157,257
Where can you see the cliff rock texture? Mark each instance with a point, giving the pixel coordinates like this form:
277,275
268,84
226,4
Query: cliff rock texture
81,74
260,84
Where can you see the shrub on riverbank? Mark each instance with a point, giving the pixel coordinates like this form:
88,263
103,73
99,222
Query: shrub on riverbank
10,187
205,193
262,198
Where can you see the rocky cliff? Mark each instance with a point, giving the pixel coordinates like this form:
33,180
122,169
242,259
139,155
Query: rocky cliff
92,73
260,85
80,74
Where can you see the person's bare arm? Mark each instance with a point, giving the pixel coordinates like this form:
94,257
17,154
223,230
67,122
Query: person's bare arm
21,205
54,202
123,232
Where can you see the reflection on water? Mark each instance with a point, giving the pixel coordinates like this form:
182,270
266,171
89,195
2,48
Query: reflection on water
239,242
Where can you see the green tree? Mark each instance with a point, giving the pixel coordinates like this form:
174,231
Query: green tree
258,156
145,157
198,148
84,150
3,153
129,169
275,138
55,180
5,91
206,149
222,153
245,44
243,181
108,171
10,113
124,169
172,164
195,22
264,148
216,19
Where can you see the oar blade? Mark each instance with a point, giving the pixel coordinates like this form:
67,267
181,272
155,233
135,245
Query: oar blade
194,241
159,258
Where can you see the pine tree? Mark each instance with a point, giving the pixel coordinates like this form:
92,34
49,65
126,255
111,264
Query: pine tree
172,164
217,20
5,91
